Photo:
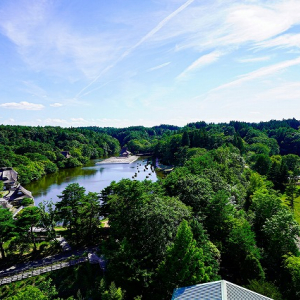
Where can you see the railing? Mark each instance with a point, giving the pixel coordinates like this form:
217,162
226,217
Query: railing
12,276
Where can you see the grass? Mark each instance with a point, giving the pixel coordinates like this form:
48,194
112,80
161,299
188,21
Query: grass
60,228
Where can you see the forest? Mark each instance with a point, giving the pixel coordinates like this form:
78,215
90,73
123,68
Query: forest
229,210
36,151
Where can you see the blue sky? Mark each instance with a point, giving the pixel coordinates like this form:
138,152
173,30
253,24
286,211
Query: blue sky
128,62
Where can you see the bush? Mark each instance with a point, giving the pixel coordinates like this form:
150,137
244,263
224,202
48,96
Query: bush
27,201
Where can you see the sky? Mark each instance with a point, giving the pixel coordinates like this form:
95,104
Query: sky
129,62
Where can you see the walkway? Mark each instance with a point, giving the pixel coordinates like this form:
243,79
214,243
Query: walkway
44,265
41,270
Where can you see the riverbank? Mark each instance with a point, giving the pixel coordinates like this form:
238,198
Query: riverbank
119,160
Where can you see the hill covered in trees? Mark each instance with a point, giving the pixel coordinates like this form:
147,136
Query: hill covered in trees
226,211
36,151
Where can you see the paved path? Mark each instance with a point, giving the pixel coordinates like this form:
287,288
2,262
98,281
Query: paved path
47,261
41,270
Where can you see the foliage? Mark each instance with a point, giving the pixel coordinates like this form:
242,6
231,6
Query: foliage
36,151
27,219
7,228
79,212
265,288
184,264
27,201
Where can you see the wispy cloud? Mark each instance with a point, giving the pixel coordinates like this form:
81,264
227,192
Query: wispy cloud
254,59
140,42
283,41
232,24
159,67
55,121
261,73
200,62
56,104
22,105
47,42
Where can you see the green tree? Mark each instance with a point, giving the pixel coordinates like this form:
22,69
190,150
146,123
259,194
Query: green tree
292,276
69,208
30,293
7,228
281,232
113,293
90,211
185,139
139,209
27,219
48,218
262,164
184,263
241,257
265,288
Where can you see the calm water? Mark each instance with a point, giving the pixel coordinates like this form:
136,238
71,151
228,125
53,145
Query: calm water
93,177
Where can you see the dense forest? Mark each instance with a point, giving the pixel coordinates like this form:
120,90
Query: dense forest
36,151
229,210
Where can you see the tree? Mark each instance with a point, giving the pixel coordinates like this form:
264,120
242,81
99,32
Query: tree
7,228
90,211
241,257
262,164
68,209
185,139
291,189
184,263
280,233
292,276
218,213
193,191
265,204
113,293
30,293
48,218
265,288
139,209
27,219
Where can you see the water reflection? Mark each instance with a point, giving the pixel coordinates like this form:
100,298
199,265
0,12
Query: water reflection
93,177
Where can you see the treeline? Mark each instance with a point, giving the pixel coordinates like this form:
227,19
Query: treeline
270,138
138,139
36,151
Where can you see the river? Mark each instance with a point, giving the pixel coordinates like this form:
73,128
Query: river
92,177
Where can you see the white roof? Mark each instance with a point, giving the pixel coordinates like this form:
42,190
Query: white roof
217,290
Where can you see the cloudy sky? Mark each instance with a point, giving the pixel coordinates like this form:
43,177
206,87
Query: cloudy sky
130,62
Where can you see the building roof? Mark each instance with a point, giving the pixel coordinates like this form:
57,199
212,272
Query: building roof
217,290
8,175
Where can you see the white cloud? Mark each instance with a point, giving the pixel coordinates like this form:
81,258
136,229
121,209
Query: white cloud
201,62
79,121
159,66
254,59
55,121
265,71
22,105
56,105
47,42
283,41
230,24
